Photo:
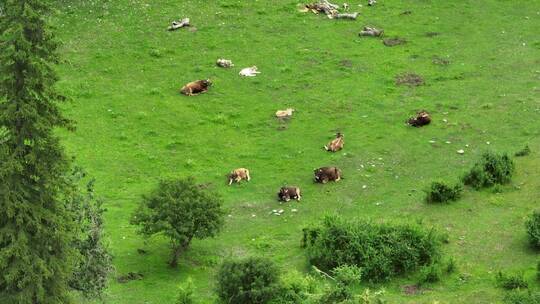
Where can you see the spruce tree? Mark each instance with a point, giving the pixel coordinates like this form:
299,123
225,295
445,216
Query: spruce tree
36,228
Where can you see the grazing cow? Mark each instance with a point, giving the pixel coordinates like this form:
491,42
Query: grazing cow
422,118
326,174
284,113
285,194
336,144
239,174
196,87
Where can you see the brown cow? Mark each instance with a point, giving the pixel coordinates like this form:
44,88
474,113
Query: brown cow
285,194
422,118
196,87
239,174
336,144
326,174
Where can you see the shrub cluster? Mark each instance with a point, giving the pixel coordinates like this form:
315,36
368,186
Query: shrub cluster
439,192
522,298
490,170
256,280
533,229
251,280
380,250
511,281
523,152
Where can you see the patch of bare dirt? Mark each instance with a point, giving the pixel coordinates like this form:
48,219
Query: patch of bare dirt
440,61
394,41
410,79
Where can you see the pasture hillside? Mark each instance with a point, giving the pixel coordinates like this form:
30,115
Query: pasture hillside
481,64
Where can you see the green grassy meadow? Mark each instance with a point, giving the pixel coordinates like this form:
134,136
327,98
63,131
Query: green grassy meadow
123,71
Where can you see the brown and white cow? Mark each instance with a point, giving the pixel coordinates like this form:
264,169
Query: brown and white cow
422,118
326,174
239,174
336,144
285,194
196,87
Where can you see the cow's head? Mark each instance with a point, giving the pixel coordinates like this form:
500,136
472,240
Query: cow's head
207,82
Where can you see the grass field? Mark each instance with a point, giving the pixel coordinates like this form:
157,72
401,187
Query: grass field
123,71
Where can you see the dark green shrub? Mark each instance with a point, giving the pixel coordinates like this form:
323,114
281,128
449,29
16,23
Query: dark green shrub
511,281
533,229
248,281
523,152
430,274
451,266
380,250
441,193
490,170
522,297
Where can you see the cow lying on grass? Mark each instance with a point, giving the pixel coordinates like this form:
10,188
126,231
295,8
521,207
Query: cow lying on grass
284,113
325,174
371,32
336,144
422,118
239,174
196,87
285,194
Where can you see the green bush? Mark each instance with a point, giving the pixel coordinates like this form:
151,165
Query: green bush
441,193
511,281
490,170
185,293
430,274
533,229
296,288
347,275
522,297
523,152
382,251
248,281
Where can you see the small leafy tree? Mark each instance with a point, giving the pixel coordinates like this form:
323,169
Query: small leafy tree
533,229
252,280
181,210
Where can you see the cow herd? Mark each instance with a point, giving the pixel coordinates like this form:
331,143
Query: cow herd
322,175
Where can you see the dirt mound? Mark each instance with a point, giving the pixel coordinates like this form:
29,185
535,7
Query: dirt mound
410,79
394,41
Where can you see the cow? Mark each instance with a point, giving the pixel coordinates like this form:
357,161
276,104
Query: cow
285,194
422,118
238,174
196,87
336,144
371,31
284,113
224,63
326,174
